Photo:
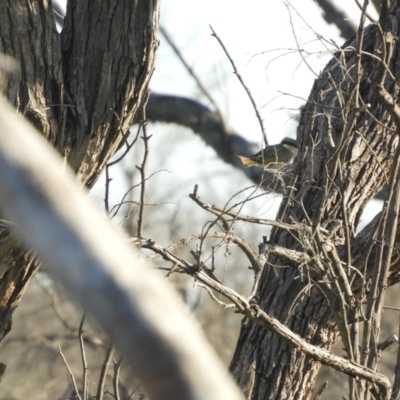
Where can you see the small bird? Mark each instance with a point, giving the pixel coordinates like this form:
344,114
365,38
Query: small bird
273,157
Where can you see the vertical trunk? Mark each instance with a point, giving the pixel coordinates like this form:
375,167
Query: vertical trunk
345,156
265,366
81,89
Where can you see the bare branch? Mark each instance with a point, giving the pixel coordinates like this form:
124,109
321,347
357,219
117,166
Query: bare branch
258,316
142,170
117,369
321,391
226,236
325,357
236,72
193,270
71,374
396,383
99,270
85,382
240,217
103,373
366,14
333,15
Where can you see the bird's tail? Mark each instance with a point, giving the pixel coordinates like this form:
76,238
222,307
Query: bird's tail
247,161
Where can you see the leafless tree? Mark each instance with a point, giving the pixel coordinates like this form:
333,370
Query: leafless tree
320,279
316,279
78,88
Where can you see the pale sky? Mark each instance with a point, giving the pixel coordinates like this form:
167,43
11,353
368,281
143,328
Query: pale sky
273,28
247,29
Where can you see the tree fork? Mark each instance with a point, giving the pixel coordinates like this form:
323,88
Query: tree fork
81,88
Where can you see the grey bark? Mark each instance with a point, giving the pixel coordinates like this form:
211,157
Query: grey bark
81,89
101,271
344,160
83,93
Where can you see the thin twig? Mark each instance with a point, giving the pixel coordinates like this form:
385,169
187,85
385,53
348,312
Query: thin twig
236,72
70,373
142,168
297,42
103,373
321,391
396,383
83,357
213,297
118,206
225,224
227,237
128,147
56,304
117,369
391,308
369,16
194,271
240,217
107,191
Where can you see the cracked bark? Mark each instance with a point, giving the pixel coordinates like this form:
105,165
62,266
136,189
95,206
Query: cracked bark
81,89
265,366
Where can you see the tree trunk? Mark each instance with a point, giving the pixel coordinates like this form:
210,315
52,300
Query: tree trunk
81,89
345,157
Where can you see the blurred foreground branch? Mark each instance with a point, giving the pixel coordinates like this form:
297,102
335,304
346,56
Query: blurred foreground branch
99,270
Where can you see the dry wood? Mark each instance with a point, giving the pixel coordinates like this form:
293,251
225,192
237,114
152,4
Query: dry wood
100,271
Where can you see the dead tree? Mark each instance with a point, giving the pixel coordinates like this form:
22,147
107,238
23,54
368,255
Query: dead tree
82,91
81,88
348,135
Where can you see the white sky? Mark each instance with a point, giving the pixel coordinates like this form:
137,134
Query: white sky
247,29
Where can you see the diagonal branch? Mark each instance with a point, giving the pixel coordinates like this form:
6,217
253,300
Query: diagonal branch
325,357
99,270
254,313
216,133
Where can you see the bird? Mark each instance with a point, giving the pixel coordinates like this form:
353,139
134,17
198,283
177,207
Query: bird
273,157
263,250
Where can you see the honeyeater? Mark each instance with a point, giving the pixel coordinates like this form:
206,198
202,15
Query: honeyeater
274,156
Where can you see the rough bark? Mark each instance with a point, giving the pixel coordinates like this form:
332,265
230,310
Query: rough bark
81,89
101,272
345,159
